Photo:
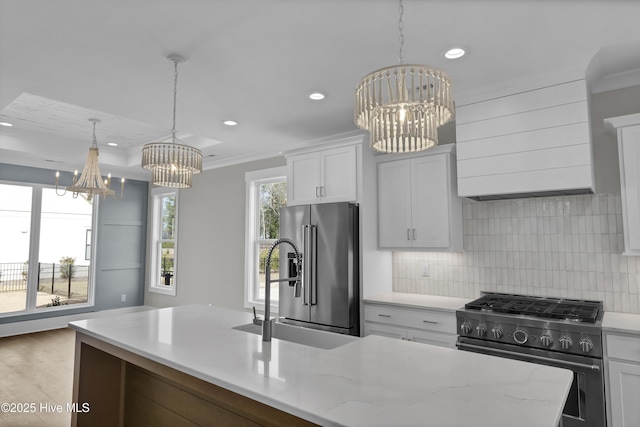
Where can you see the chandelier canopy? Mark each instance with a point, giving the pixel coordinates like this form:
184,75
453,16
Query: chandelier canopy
91,181
172,164
402,106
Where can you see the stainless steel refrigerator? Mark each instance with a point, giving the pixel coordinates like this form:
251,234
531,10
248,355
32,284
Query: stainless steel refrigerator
327,236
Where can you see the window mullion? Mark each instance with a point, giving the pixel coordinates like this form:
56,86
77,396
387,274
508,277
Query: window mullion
34,248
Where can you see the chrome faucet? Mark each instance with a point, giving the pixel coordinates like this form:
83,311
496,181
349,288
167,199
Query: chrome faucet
267,322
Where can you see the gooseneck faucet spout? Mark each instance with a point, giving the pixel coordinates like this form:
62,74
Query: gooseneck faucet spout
267,322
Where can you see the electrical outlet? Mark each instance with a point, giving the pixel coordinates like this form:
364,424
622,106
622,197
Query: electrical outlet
426,270
123,298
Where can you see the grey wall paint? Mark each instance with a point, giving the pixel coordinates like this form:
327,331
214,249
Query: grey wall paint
211,233
121,246
605,148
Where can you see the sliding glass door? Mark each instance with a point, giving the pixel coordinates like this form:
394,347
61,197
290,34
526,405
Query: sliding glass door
45,249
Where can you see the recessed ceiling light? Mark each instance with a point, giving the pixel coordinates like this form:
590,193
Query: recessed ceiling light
316,96
113,144
454,53
5,124
230,122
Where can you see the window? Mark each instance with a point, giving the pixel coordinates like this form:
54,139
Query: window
266,194
43,250
164,241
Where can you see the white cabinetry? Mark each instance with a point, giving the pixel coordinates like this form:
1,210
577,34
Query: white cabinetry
418,206
421,325
627,129
525,142
324,176
622,357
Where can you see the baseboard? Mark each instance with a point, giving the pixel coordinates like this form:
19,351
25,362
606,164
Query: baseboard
47,324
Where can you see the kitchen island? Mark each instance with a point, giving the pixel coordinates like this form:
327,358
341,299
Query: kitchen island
131,369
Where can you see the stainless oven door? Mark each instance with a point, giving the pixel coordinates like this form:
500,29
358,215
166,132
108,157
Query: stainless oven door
585,403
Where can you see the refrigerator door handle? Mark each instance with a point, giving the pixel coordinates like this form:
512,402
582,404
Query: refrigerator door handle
305,263
313,292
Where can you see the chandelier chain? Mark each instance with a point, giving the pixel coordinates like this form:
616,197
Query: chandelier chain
175,98
401,53
95,141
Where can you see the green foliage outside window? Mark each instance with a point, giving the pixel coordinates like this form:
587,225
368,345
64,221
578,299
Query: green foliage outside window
272,197
66,267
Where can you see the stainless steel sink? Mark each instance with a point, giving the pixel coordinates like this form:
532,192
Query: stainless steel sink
301,335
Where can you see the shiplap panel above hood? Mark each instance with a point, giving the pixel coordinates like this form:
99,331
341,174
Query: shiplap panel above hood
526,144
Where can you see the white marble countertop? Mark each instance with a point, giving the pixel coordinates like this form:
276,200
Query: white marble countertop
373,381
621,322
419,301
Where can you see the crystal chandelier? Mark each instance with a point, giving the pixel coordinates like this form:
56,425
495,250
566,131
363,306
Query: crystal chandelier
402,106
172,164
90,181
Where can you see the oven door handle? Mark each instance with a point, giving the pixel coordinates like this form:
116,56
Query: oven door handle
487,350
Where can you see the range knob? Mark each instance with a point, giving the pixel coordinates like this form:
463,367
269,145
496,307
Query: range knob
566,343
520,336
546,340
481,330
497,333
586,345
465,328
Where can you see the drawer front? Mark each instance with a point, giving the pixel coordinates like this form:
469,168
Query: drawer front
418,319
623,347
432,338
385,330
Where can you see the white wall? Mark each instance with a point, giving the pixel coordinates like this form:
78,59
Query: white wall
211,237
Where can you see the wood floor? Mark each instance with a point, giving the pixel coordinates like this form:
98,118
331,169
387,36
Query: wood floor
37,368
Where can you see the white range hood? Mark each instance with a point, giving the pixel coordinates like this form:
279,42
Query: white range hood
528,143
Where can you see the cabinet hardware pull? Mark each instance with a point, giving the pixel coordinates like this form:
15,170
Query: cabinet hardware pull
384,315
317,191
429,321
414,234
321,191
408,235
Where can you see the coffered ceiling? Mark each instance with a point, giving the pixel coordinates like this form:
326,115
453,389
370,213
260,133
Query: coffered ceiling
256,61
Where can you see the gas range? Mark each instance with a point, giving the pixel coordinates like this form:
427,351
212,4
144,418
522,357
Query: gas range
560,325
563,333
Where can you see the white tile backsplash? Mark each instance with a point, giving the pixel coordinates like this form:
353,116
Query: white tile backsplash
566,247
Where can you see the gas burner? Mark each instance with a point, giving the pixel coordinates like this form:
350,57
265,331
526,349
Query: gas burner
540,307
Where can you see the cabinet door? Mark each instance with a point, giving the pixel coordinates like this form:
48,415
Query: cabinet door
629,154
385,330
624,384
394,204
432,338
338,175
303,179
430,207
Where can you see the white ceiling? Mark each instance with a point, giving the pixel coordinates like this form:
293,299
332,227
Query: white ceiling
255,61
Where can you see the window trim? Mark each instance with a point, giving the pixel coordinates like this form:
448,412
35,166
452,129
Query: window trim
155,283
252,180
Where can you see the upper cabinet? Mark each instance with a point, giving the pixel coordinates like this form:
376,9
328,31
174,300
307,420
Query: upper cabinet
323,176
534,142
418,207
627,129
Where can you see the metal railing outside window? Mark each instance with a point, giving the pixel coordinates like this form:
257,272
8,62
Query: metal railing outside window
53,278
